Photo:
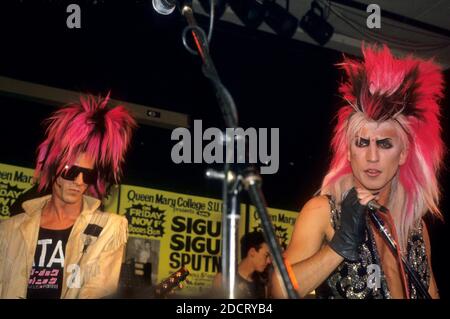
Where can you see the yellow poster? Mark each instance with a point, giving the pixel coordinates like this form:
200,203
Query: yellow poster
188,229
243,225
283,221
14,180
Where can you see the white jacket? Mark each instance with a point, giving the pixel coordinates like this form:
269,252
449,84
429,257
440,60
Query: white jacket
92,274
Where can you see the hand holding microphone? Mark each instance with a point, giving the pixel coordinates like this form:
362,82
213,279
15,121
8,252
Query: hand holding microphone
350,234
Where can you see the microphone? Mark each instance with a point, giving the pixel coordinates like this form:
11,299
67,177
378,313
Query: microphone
166,7
374,205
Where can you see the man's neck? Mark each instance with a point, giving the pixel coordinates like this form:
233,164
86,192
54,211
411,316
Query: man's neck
383,193
62,210
245,269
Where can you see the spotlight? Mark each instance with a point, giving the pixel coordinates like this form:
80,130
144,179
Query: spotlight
280,20
315,25
219,7
253,13
250,12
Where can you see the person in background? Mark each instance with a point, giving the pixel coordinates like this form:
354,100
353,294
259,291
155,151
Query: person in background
251,279
62,245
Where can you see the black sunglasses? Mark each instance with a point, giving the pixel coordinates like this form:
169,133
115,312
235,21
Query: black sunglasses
71,173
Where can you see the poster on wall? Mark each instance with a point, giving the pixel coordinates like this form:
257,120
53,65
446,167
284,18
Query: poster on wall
282,220
143,255
14,180
187,228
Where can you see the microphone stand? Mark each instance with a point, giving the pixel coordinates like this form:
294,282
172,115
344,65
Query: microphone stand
412,275
233,180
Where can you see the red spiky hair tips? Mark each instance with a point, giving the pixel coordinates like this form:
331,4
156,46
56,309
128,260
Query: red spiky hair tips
383,86
88,126
406,90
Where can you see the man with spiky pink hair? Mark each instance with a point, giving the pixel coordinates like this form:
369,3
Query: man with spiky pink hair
62,245
387,147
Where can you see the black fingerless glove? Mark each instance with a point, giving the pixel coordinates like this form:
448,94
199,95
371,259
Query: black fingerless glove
350,234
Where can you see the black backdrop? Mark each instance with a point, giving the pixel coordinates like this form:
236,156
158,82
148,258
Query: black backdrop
126,48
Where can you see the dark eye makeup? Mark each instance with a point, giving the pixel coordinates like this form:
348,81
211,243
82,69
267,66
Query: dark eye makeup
384,143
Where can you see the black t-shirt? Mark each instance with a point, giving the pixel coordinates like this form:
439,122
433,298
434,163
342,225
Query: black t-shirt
46,275
250,289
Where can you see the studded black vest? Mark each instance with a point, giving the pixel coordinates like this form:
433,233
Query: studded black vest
364,279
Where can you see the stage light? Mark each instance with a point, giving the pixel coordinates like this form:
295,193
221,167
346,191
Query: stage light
253,13
280,20
250,12
315,24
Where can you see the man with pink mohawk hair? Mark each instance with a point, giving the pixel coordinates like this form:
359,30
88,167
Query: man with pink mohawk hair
387,147
62,245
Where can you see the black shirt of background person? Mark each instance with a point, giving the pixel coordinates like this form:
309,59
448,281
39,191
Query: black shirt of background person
255,289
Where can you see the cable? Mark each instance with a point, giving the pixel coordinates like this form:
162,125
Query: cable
211,19
379,38
398,26
372,34
401,41
396,42
391,223
184,37
208,69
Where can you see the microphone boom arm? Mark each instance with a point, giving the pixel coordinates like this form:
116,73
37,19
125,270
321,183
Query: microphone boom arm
230,189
